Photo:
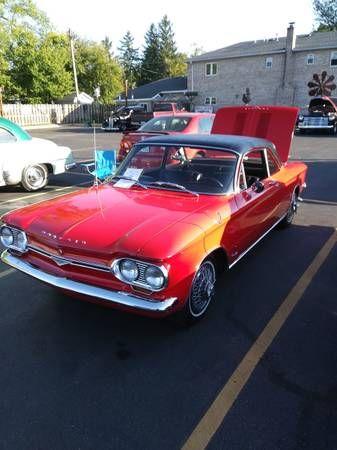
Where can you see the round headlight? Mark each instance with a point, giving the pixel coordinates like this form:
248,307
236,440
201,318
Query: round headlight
21,241
300,117
6,236
154,277
128,270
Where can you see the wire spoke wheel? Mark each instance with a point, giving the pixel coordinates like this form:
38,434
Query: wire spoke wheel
292,209
202,290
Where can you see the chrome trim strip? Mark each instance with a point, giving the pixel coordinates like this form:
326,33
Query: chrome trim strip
117,297
256,242
69,261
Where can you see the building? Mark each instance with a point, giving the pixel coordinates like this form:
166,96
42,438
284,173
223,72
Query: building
165,90
276,71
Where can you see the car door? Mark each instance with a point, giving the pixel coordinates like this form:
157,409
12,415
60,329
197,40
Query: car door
257,200
8,150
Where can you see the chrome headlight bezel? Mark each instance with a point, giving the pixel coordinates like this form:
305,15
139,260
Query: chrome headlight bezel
19,242
140,280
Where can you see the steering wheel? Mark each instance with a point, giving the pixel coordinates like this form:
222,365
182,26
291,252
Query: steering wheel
215,180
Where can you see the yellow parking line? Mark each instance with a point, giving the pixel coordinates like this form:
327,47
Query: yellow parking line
7,272
218,410
13,200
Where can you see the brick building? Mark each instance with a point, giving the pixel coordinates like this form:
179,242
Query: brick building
276,71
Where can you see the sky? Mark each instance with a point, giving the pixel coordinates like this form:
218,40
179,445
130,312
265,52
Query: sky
210,24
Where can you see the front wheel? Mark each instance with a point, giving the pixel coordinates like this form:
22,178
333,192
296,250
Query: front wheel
34,177
201,294
288,219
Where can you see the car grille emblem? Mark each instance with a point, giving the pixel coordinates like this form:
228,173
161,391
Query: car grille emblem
59,261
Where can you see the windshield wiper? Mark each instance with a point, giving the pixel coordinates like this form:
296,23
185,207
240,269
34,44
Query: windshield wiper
172,185
120,177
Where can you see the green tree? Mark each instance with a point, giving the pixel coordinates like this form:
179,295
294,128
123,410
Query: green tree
96,68
107,44
129,58
23,13
151,68
326,14
173,63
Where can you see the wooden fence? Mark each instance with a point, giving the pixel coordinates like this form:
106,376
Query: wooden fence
55,114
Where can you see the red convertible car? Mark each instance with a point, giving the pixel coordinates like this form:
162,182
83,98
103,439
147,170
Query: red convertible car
153,238
185,123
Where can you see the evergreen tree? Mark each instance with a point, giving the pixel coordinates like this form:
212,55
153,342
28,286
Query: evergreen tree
152,63
129,58
173,63
107,44
326,14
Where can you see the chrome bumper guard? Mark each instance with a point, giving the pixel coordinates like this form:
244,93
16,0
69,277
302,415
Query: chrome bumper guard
117,297
314,127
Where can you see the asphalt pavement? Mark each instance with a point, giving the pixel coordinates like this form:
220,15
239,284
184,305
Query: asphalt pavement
78,376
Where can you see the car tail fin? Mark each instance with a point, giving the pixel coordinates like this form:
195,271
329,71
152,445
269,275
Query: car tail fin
274,123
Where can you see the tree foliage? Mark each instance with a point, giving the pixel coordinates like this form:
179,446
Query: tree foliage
96,68
151,65
326,14
129,58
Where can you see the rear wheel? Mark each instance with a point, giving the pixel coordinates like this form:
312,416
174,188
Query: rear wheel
34,177
287,221
201,294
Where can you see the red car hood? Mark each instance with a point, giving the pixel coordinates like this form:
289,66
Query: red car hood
106,220
274,123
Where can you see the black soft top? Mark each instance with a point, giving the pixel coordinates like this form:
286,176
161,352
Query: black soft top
237,144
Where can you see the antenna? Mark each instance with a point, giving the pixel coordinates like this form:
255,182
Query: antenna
95,148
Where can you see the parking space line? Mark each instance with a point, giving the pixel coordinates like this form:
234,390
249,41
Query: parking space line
7,272
214,416
13,200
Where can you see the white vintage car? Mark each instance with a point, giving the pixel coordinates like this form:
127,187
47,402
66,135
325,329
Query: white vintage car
28,160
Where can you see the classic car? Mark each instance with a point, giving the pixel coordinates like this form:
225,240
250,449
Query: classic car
28,160
126,118
186,123
321,115
132,117
180,209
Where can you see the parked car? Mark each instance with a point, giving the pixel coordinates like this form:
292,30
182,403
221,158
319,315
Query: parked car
185,123
179,210
321,115
126,118
132,117
28,160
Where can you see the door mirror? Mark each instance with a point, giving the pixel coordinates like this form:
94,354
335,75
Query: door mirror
258,186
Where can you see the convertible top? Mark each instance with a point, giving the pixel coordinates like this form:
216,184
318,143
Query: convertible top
238,144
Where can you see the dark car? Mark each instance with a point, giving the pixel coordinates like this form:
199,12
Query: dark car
321,115
126,118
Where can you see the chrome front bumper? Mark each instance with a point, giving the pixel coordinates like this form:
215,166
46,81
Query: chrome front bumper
117,297
314,127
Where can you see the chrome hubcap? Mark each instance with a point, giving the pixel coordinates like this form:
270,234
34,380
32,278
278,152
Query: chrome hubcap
35,176
293,208
202,289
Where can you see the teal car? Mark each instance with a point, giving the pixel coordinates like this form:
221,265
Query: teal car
27,160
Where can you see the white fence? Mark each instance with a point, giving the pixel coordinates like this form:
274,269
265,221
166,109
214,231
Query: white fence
55,114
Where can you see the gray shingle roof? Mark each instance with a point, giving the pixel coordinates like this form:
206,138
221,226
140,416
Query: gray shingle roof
165,84
304,42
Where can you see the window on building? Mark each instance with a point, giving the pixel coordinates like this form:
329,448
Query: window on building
211,69
269,62
210,101
310,60
333,59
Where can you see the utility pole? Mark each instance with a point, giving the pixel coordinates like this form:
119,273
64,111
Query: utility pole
74,63
126,92
1,109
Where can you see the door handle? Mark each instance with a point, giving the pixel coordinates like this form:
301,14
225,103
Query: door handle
274,183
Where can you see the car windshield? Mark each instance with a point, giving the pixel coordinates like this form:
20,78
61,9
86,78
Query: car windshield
190,169
166,123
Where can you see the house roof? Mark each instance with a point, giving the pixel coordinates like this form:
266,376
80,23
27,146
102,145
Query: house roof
150,90
304,42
